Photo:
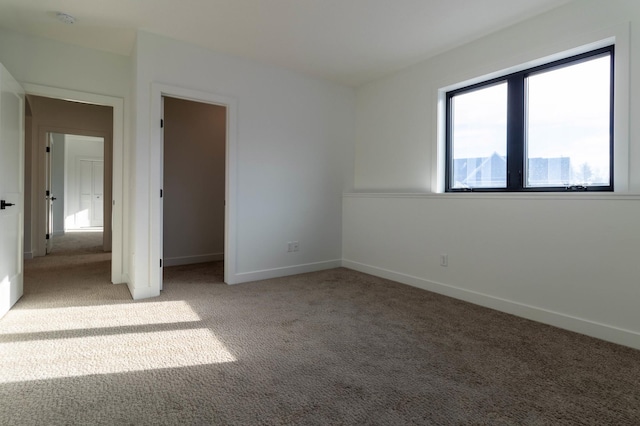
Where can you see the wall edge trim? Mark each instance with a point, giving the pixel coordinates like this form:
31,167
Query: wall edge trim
264,274
188,260
510,196
589,328
138,293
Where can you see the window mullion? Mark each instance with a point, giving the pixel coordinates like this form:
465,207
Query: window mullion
448,148
515,132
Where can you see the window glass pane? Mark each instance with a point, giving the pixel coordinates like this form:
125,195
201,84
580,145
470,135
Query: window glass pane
479,138
568,125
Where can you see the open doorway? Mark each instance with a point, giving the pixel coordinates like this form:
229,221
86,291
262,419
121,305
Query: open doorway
194,173
75,186
69,170
114,165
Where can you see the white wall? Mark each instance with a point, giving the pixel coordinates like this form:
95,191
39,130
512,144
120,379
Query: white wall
40,61
567,259
294,158
78,148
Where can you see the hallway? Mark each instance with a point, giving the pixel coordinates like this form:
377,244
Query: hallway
77,265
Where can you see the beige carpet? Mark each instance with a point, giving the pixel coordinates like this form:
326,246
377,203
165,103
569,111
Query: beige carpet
326,348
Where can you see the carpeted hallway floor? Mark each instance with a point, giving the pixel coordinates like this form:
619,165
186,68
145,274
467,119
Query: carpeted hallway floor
325,348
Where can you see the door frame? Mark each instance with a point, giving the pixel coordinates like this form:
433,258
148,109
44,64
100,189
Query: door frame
119,273
158,91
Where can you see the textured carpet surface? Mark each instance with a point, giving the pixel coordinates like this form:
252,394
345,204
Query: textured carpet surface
331,347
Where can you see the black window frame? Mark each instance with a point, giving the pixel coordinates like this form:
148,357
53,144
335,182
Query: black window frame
516,126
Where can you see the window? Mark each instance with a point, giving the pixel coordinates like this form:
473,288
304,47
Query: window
548,128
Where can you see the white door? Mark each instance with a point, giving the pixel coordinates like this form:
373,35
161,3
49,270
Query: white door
91,192
48,193
11,190
161,209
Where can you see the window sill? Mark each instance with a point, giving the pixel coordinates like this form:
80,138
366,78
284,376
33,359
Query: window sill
561,196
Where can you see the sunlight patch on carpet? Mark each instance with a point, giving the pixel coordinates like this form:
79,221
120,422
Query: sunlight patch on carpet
59,358
101,316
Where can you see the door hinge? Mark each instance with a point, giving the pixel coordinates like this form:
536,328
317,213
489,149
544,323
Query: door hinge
48,193
48,149
161,263
47,236
161,193
161,123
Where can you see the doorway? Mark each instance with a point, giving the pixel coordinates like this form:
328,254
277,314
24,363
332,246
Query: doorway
44,119
194,182
48,118
158,91
75,185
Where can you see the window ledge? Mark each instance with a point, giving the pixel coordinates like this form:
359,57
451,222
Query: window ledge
561,196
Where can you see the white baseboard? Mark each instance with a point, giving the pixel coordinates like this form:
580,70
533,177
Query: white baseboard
120,279
28,255
579,325
187,260
284,271
58,232
142,292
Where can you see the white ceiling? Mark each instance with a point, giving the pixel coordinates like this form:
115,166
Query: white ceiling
347,41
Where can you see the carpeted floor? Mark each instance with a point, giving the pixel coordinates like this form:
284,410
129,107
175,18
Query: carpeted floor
325,348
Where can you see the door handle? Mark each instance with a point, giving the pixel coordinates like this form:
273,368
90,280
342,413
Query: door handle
4,204
53,198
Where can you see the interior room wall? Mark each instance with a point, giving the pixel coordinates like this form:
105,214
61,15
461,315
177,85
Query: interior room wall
78,148
563,259
294,157
57,182
37,60
194,182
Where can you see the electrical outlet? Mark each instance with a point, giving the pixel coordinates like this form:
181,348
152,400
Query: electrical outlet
444,260
293,246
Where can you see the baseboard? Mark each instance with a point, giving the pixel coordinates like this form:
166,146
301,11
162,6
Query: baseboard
579,325
140,292
28,255
120,279
59,232
265,274
187,260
